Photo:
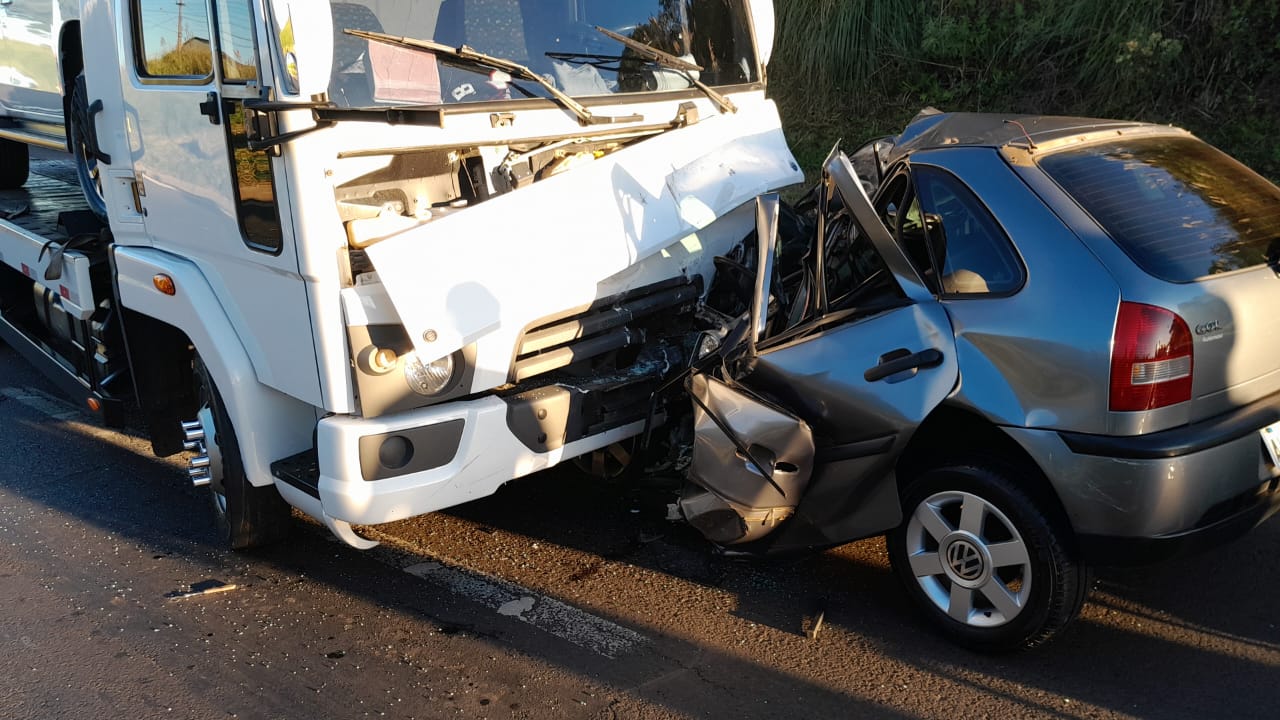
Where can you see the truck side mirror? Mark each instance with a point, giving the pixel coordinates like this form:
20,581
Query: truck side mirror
303,44
767,210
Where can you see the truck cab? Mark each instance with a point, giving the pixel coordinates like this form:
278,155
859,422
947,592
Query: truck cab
374,259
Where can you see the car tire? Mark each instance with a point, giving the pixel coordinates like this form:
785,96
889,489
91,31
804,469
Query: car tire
15,167
79,125
990,567
247,516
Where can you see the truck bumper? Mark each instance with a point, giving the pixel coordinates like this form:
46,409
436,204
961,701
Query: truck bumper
397,466
1140,499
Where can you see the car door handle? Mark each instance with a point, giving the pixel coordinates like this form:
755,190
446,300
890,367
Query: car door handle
896,361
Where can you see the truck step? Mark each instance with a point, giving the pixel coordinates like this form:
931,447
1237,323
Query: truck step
301,471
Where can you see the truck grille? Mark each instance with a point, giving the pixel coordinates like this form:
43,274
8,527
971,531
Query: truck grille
607,325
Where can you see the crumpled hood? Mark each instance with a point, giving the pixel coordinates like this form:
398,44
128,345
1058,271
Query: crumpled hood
543,249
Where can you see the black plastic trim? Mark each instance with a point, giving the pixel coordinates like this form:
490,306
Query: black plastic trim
301,471
1179,441
428,447
858,449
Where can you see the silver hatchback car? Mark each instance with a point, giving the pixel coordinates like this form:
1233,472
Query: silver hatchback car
1020,346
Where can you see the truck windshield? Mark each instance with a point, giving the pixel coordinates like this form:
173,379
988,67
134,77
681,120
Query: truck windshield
557,39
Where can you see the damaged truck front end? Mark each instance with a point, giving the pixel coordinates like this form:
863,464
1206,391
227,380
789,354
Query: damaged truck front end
525,220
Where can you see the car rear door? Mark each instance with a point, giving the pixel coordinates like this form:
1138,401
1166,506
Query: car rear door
29,81
862,368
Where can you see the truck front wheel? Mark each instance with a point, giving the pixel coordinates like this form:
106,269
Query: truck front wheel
248,516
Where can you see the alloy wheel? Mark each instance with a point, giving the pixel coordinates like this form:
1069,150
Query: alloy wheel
969,559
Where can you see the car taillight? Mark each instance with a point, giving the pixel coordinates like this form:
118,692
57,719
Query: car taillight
1151,356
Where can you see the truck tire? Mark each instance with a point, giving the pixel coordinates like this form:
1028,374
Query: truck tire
990,567
247,516
14,164
79,132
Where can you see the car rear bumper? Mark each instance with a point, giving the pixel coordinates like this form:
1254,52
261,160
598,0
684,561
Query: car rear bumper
1143,498
1122,550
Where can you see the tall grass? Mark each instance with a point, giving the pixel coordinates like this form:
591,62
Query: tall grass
862,67
828,45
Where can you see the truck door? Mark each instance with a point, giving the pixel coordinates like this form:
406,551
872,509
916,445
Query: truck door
817,416
197,190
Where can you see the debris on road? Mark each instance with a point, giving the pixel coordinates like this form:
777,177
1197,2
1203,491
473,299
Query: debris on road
204,587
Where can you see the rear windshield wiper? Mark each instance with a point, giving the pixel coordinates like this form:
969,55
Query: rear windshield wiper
671,62
473,57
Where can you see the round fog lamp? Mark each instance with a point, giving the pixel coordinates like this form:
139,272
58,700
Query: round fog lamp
428,378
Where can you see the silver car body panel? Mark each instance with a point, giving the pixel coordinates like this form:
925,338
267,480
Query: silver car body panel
1040,358
1231,315
1148,497
863,426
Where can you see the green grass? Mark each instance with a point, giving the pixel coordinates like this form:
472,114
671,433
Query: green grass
857,69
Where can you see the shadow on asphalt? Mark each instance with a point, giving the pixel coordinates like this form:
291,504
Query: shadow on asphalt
1186,638
141,499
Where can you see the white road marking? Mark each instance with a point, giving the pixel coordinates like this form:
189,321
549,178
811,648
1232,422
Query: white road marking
44,403
547,614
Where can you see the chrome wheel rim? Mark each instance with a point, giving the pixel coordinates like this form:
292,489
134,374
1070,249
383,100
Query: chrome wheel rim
969,559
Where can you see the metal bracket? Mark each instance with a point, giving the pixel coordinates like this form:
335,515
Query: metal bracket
212,108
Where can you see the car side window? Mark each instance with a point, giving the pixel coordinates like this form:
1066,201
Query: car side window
970,252
899,210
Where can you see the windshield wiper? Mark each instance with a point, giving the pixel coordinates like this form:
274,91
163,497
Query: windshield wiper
473,57
671,62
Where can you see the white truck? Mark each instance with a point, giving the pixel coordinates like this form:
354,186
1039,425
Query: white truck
373,259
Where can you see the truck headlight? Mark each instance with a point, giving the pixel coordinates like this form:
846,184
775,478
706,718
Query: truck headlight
429,378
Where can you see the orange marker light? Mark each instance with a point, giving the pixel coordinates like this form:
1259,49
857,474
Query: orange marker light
164,284
94,405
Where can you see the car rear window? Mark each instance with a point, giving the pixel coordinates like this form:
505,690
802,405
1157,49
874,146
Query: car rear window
1180,208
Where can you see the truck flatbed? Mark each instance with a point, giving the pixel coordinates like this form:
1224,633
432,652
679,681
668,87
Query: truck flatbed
48,213
40,215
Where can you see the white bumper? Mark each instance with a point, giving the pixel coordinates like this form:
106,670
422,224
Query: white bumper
487,456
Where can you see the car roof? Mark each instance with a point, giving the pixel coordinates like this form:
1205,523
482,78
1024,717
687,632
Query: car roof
932,129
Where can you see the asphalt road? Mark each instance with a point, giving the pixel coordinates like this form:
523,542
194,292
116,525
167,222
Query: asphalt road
558,597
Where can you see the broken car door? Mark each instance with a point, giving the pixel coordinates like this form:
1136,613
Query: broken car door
808,426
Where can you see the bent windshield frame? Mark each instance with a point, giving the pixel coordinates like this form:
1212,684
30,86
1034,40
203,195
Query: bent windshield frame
557,39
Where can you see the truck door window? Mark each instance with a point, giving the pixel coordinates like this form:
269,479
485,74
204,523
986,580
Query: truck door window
236,50
173,39
251,171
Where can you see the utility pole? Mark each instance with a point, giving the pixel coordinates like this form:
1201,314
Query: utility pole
181,3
